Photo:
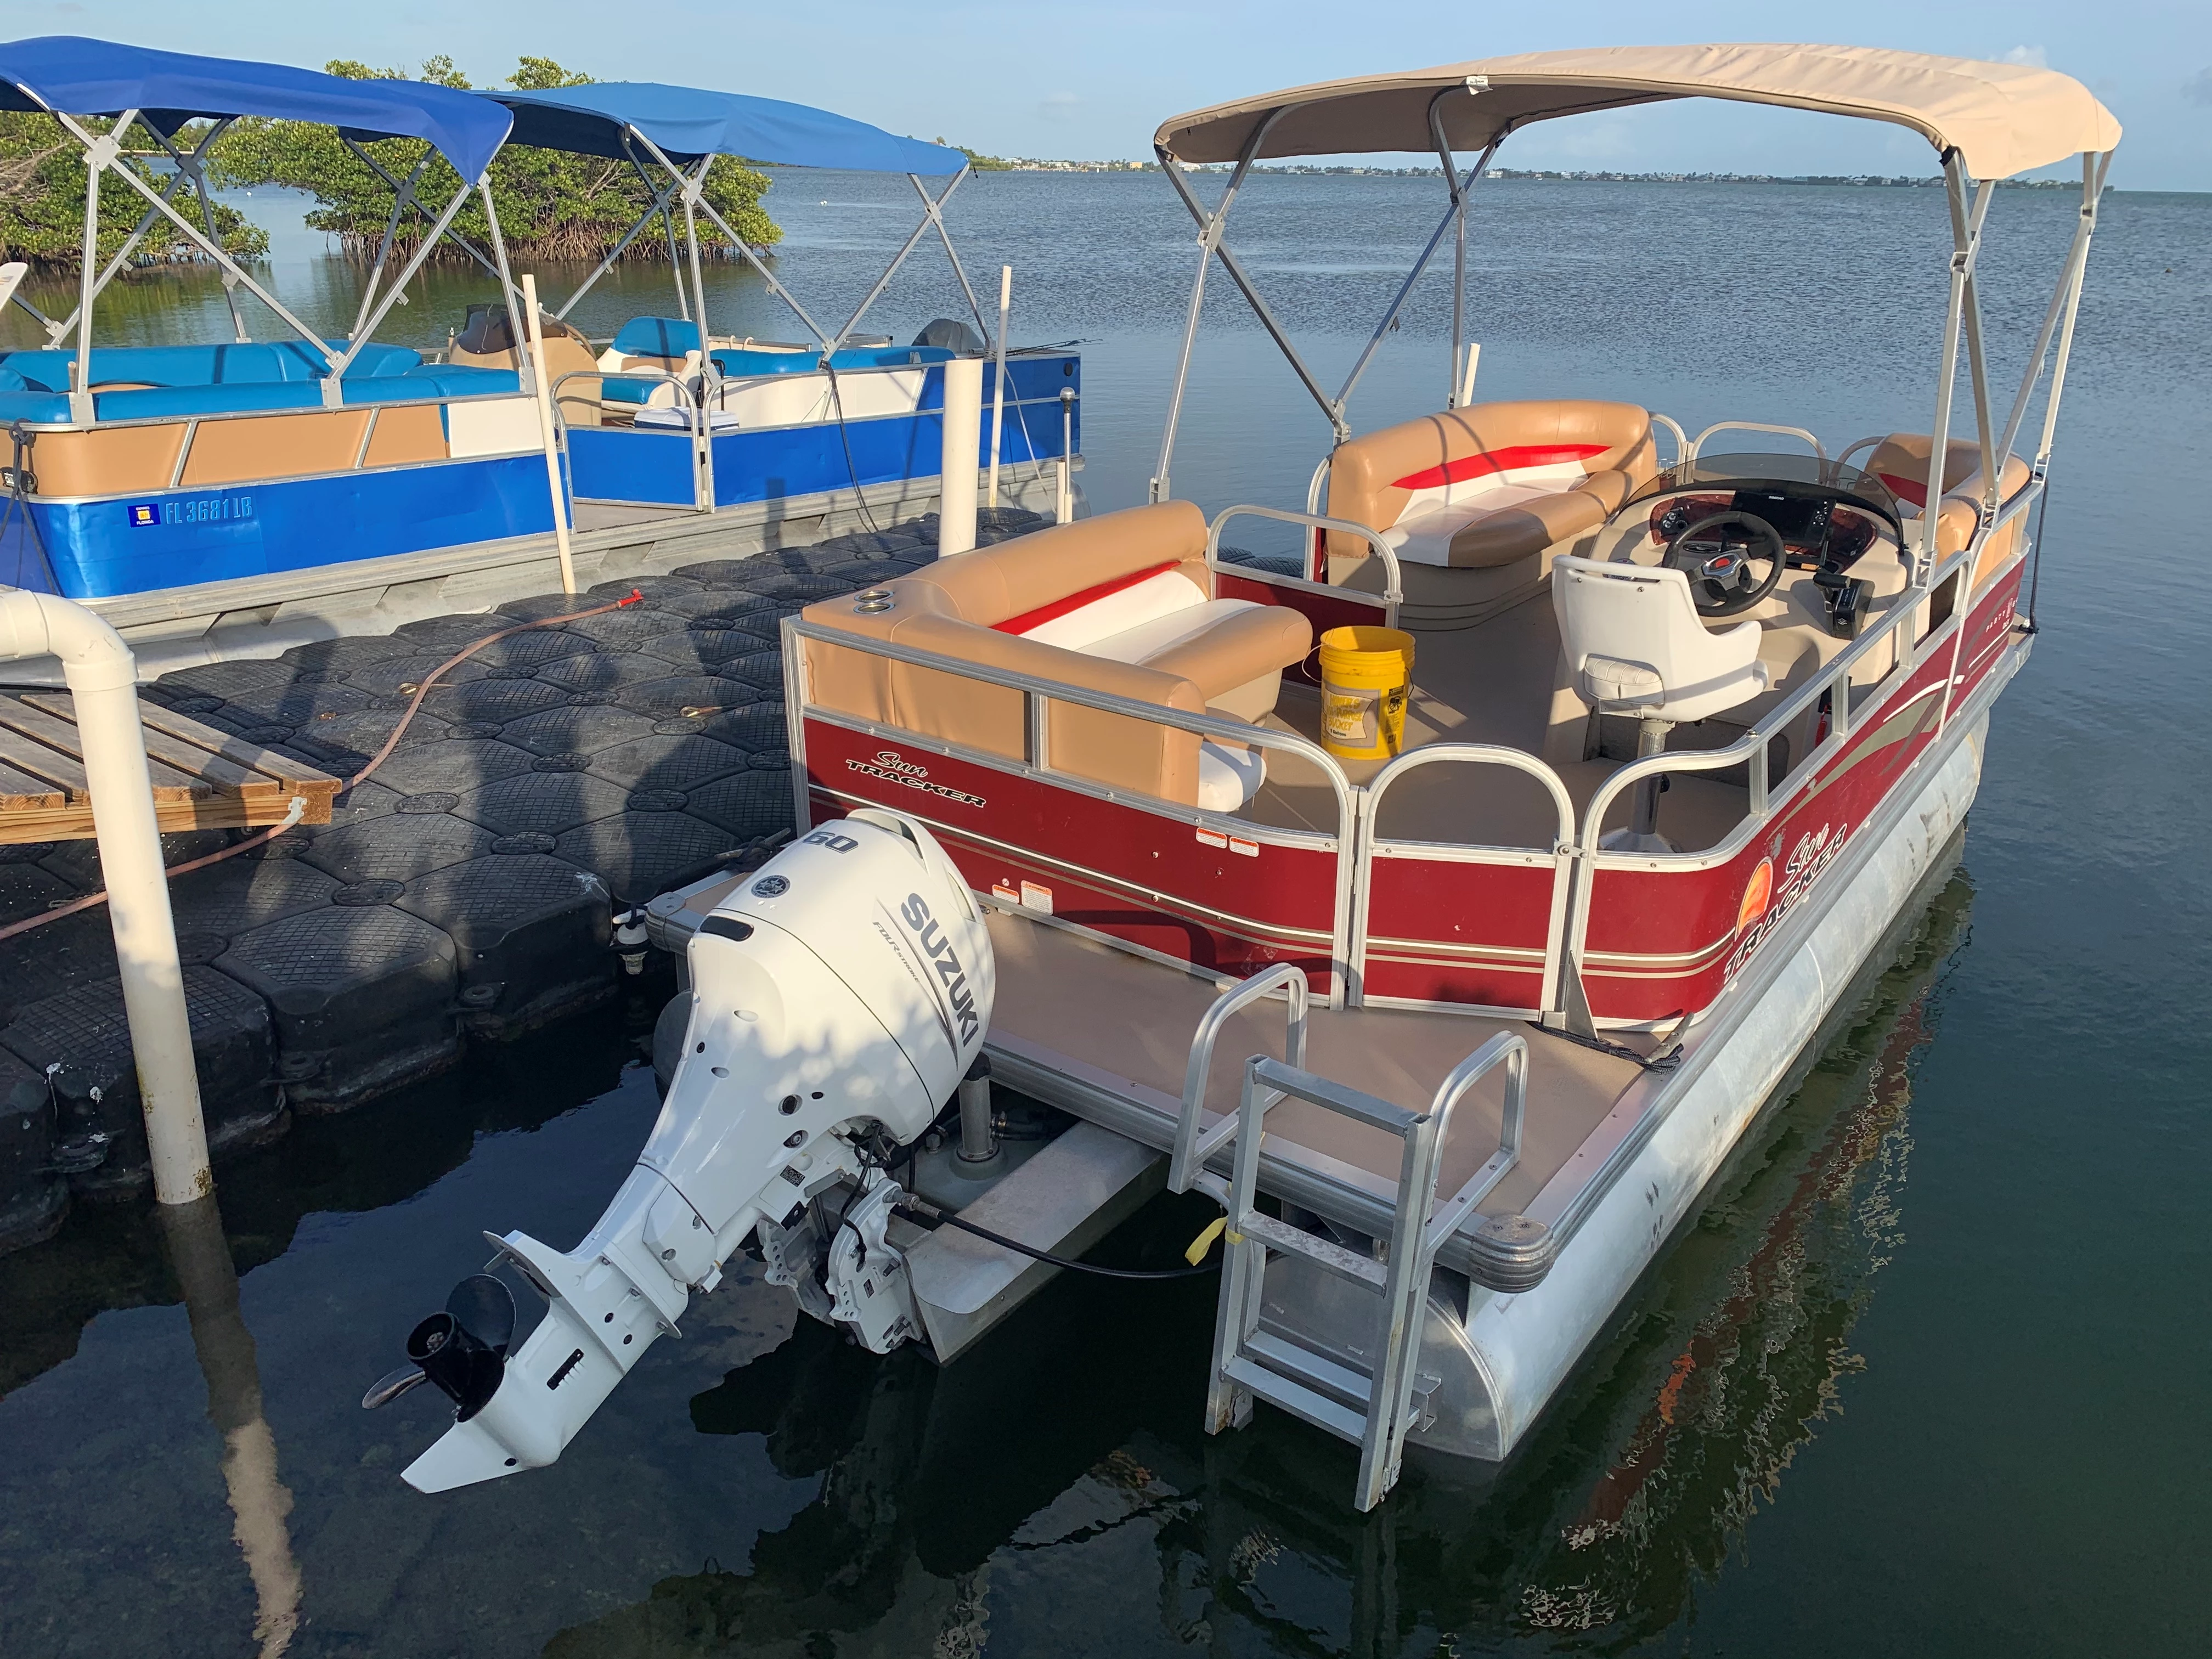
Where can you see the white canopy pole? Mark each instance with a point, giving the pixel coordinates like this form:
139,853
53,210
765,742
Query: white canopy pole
546,434
2092,192
998,376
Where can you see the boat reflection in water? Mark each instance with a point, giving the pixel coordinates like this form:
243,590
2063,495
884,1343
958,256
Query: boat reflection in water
1637,1484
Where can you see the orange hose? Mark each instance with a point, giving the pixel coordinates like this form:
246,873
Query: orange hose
91,900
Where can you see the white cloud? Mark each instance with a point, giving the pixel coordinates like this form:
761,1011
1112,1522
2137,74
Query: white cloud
2197,89
2031,56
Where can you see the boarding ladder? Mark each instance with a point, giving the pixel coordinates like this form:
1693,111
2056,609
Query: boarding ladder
1375,1411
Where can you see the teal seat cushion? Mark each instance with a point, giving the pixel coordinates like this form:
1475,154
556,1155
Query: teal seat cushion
259,362
176,400
443,380
741,364
657,336
33,406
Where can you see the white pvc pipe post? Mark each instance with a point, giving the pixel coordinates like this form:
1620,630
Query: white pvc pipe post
1466,374
963,436
1064,504
998,378
545,437
103,679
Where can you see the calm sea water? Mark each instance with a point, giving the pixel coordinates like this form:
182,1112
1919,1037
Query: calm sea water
1927,1375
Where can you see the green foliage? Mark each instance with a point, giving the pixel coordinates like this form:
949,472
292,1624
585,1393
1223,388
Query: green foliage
550,205
42,202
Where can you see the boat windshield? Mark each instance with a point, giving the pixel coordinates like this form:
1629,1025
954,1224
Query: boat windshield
1793,476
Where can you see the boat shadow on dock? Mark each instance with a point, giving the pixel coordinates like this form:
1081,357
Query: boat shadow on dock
467,891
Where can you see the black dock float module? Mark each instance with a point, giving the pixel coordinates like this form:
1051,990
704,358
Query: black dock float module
465,891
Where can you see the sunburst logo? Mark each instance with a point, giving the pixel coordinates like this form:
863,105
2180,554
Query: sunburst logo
1758,894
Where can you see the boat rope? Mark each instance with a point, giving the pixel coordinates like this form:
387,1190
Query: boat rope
21,483
930,1216
423,690
2035,559
299,803
1667,1062
845,437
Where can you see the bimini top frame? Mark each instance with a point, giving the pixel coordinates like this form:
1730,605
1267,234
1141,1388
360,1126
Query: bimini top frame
682,129
1986,121
71,78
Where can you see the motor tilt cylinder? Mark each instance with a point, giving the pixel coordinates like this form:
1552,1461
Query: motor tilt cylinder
839,995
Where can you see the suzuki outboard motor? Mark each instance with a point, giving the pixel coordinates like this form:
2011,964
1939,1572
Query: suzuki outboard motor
838,997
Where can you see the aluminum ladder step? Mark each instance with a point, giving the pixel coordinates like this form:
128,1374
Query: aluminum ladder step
1374,1410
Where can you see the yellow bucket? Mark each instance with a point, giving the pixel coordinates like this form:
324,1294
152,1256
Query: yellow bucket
1363,677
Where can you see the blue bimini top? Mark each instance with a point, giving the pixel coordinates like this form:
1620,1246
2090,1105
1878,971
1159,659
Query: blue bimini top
686,122
67,74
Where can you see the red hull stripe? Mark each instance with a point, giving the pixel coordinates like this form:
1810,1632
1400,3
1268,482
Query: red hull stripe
1498,460
1059,608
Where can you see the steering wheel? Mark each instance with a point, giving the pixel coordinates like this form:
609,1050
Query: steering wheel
1721,579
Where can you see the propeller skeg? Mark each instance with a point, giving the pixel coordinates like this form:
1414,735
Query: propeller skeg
607,1301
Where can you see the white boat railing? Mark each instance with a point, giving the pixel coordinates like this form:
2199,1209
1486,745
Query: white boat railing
1195,1144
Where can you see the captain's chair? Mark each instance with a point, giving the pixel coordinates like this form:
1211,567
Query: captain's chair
1635,645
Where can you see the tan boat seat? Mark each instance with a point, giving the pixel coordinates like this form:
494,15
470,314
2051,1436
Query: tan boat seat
1475,501
488,341
1123,603
1900,461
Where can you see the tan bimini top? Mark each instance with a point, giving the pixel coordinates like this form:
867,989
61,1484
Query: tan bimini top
2003,119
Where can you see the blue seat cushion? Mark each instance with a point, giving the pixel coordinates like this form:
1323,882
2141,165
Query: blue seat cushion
177,400
657,336
33,406
616,389
741,364
889,356
261,363
423,381
443,380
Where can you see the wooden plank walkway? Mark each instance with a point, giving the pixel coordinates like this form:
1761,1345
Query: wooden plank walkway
203,779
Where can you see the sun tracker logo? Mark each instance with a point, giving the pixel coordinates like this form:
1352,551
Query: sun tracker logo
1815,852
890,767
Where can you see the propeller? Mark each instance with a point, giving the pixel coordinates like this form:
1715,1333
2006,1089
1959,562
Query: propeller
462,1349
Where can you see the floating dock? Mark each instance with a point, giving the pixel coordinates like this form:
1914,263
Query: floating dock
466,890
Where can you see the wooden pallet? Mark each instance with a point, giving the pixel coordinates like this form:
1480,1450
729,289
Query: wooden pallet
203,779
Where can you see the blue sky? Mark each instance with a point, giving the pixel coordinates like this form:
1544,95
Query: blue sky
1045,78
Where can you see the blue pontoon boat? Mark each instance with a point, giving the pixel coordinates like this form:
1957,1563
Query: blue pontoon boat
235,498
674,415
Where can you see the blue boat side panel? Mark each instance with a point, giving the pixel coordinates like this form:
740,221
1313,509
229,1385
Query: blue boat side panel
618,464
173,538
621,464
